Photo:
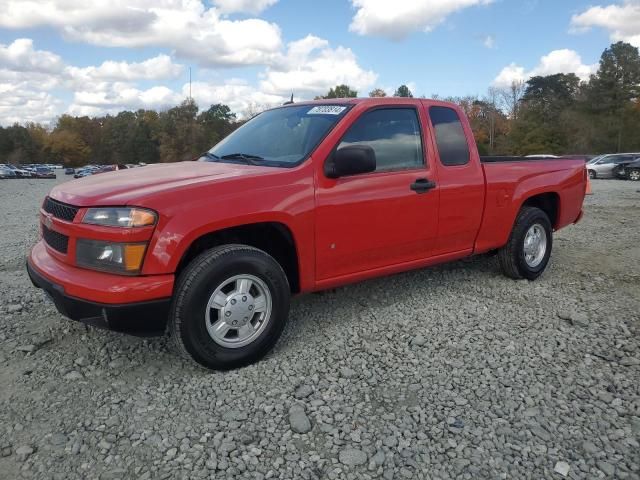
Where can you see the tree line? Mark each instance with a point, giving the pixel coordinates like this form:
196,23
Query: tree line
557,114
180,133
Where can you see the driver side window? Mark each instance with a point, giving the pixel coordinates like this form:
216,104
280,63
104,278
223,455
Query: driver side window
394,135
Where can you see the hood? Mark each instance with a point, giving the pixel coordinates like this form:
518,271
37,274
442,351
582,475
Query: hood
124,187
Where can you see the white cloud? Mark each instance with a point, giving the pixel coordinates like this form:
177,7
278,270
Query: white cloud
310,67
187,26
245,6
156,68
237,94
489,41
397,19
621,20
25,100
510,74
27,76
20,56
113,98
32,82
557,61
564,61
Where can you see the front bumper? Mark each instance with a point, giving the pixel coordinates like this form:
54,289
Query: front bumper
139,317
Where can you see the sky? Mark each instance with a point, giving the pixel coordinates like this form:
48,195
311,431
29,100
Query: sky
103,56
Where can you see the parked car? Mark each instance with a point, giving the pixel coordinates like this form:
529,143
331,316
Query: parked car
20,172
6,173
103,169
110,168
602,167
69,171
85,172
630,170
349,192
44,172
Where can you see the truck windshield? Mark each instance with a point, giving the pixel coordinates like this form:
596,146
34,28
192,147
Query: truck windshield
281,137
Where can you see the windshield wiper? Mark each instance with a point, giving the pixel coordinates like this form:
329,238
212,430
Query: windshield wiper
210,155
247,157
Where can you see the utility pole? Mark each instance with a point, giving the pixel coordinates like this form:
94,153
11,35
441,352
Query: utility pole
190,98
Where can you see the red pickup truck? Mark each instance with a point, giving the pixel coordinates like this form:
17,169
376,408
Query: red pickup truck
301,198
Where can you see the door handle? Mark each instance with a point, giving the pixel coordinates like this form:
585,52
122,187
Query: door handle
422,185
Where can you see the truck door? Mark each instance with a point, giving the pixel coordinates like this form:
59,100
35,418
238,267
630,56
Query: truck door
382,218
460,179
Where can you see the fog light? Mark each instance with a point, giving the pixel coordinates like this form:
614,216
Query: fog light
122,258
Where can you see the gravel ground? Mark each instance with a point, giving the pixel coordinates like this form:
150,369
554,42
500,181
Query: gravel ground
450,372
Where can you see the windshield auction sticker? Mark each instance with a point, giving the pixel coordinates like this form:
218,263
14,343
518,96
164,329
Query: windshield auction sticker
327,110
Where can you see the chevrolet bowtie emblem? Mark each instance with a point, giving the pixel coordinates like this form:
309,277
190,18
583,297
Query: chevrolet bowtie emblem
48,220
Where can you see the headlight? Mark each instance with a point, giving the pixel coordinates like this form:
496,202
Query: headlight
120,217
122,258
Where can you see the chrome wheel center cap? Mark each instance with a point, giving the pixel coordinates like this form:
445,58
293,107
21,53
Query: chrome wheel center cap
535,245
238,310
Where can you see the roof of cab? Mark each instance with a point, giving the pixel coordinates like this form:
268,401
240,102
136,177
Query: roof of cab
342,101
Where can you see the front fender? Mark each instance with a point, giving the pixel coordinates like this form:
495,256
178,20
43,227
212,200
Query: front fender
193,214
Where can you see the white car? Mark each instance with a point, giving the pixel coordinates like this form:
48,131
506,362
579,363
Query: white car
21,172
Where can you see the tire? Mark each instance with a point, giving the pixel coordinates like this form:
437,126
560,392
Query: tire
592,174
194,312
634,175
512,257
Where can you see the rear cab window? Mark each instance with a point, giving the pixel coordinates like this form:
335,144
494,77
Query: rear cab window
451,140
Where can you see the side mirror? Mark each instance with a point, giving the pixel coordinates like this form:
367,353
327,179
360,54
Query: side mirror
351,160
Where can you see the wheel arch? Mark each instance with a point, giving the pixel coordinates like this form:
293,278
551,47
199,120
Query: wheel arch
548,202
274,238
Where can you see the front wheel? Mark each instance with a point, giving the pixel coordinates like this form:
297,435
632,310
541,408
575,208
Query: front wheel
634,175
230,307
528,250
592,174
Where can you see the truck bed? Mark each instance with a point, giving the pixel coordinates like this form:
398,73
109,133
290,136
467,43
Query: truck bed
511,180
507,158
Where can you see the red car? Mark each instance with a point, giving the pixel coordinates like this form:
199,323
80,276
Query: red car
301,198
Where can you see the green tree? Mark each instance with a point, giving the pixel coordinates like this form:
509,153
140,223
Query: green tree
181,135
340,91
67,147
377,92
403,91
610,95
6,145
23,147
539,127
217,122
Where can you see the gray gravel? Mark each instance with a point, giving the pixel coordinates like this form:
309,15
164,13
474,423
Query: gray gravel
451,372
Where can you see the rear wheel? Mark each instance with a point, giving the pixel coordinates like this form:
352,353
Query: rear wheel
634,175
230,307
592,174
528,250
